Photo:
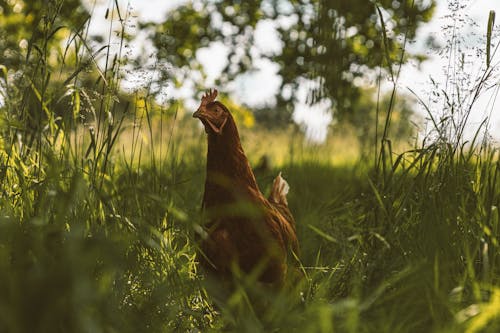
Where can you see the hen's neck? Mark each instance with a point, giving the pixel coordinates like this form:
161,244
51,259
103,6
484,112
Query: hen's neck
228,172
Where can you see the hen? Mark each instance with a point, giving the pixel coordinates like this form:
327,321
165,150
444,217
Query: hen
244,231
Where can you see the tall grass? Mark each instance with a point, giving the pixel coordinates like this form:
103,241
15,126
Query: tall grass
97,217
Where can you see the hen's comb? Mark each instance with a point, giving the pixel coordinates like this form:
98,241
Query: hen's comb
208,97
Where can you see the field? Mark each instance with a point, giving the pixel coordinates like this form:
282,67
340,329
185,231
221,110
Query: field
98,221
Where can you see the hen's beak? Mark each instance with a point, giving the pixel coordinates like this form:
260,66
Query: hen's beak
197,114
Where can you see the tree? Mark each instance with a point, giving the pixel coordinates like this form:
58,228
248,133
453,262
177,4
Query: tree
330,42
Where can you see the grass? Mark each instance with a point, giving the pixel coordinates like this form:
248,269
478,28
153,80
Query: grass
97,226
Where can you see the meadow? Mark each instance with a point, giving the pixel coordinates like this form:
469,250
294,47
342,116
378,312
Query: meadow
97,219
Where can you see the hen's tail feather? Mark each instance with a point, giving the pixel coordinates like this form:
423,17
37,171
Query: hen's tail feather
279,191
277,198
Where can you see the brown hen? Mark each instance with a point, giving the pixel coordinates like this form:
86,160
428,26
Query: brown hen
244,231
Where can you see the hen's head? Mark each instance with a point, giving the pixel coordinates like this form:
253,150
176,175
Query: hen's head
214,115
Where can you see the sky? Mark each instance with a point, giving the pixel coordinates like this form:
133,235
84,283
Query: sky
263,83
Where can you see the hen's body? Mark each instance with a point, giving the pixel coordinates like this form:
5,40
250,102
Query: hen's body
244,230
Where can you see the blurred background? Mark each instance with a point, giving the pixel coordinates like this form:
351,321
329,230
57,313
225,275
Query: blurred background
268,56
319,65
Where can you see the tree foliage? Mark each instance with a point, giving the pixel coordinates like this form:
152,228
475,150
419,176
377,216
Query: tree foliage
330,42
